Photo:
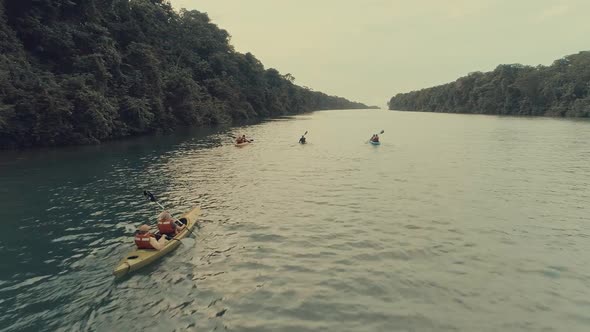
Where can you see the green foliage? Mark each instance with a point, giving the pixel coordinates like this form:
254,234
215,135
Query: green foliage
562,89
85,71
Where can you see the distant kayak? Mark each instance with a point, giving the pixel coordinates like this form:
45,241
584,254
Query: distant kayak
242,144
375,143
304,142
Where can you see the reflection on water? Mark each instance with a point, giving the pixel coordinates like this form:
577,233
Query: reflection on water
455,222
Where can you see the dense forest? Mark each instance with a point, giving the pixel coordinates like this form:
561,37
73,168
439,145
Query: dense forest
84,71
562,89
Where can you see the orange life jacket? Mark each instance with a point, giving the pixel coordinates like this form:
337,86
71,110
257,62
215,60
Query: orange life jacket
142,241
166,227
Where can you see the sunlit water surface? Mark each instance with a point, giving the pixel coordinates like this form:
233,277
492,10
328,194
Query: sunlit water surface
456,222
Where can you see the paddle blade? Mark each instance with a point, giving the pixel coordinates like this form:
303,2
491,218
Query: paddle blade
188,243
382,131
149,196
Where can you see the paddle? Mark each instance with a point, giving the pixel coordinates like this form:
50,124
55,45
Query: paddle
152,198
381,133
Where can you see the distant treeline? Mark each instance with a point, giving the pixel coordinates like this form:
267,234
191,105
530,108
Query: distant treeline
84,71
562,89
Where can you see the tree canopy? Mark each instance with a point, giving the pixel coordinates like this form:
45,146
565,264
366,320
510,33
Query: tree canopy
562,89
84,71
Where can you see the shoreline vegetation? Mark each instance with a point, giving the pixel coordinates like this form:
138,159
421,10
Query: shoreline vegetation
86,71
559,90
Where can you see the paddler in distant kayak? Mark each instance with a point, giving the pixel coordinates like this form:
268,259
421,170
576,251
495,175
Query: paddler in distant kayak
146,240
242,139
167,226
302,140
375,138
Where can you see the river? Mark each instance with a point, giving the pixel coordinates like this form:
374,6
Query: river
455,222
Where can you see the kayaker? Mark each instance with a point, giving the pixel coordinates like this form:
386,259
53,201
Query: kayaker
242,139
167,226
375,138
302,139
146,240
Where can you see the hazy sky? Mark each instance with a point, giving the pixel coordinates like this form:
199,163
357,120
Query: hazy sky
369,50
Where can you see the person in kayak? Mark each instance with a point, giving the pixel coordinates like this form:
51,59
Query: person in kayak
302,139
242,139
375,138
167,226
146,240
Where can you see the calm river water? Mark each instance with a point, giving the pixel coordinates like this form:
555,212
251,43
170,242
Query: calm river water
456,222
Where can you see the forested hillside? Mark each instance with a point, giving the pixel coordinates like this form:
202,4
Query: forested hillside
562,89
84,71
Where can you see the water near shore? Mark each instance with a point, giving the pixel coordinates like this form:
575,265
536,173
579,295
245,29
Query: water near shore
455,222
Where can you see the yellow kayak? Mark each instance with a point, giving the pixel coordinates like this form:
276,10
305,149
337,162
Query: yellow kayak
242,144
139,258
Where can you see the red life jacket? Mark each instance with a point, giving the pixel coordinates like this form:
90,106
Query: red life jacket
142,241
166,227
